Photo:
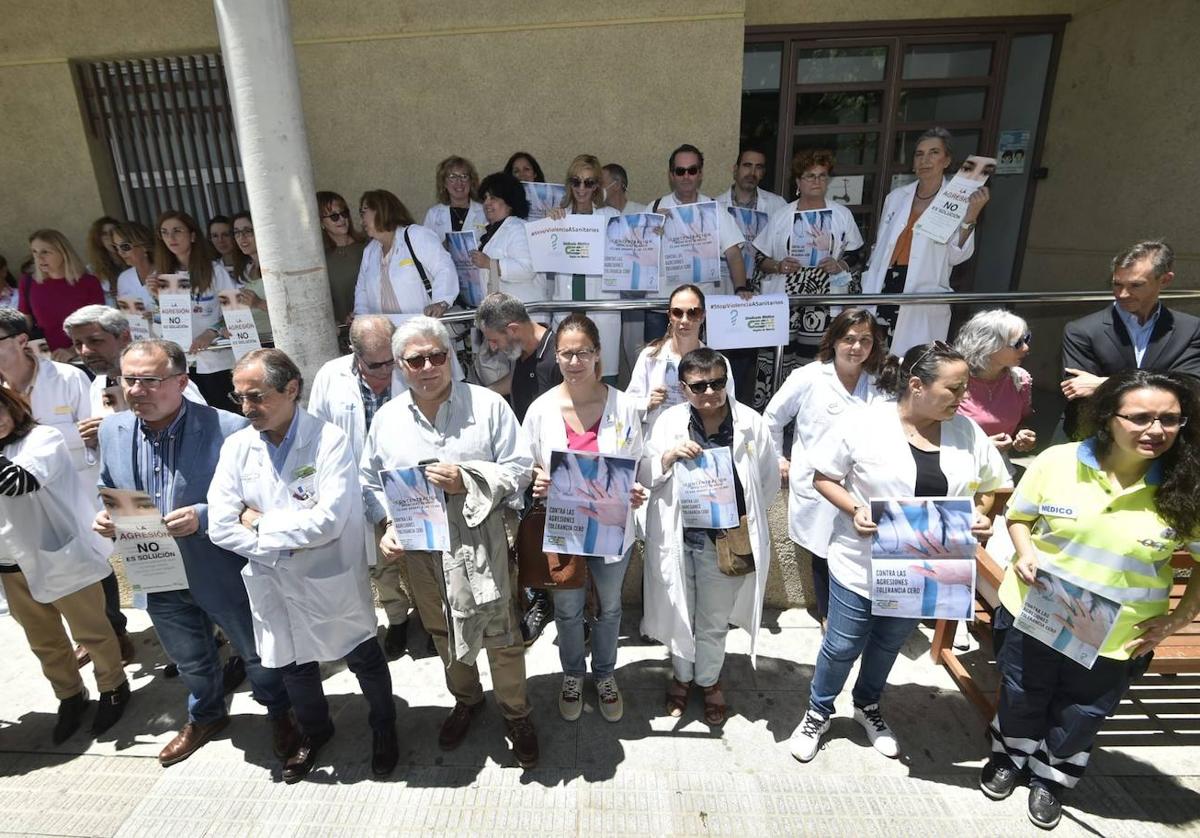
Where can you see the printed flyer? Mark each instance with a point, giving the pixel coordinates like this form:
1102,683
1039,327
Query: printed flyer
543,197
706,492
472,281
632,252
1067,617
588,503
945,215
151,556
417,509
691,245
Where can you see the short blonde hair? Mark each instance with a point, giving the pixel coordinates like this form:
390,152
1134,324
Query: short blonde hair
73,267
579,164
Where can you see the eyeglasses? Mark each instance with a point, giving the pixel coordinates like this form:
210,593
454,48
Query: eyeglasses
171,233
6,337
583,355
149,382
714,384
1144,421
416,363
694,313
588,182
1022,341
254,398
936,346
339,215
812,177
680,171
244,233
458,176
376,365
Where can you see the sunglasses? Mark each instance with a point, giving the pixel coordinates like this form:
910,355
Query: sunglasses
936,346
700,387
125,247
693,313
376,365
416,363
254,398
1022,341
338,216
680,171
588,182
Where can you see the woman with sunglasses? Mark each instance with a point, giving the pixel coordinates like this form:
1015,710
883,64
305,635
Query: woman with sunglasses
916,446
585,414
251,291
457,184
655,378
690,599
1094,520
183,248
103,259
135,244
817,397
344,247
220,236
1000,393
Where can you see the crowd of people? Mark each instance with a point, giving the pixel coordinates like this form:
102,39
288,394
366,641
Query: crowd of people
283,518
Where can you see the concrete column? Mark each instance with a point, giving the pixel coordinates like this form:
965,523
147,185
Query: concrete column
264,91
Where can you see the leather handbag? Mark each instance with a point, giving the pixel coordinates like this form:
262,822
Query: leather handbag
735,556
539,569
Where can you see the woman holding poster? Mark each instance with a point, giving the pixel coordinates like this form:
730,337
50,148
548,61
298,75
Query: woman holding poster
908,262
135,243
1103,515
504,247
457,210
917,446
693,590
585,414
252,294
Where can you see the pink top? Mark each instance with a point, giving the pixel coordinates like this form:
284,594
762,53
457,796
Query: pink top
589,440
999,406
54,300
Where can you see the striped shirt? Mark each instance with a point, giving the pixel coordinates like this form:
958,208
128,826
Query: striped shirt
154,459
371,400
1101,537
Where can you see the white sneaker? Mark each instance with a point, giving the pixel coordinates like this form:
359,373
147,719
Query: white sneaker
877,730
570,700
806,739
612,707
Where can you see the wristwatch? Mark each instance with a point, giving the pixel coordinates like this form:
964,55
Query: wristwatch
967,226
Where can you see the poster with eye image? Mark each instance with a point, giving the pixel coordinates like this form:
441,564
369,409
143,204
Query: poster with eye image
472,281
1067,617
812,237
946,212
587,506
734,323
150,554
632,252
175,309
138,315
704,486
543,197
239,320
923,558
417,509
691,244
751,223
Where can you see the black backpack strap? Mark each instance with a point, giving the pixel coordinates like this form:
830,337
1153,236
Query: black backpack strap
654,208
417,264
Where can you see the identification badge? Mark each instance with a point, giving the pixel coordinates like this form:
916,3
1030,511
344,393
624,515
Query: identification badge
303,488
1056,510
404,263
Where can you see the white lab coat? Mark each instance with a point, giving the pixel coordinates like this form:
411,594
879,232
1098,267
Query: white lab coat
729,236
61,398
775,239
653,370
665,590
510,248
306,577
608,323
438,220
129,284
206,312
633,208
402,273
869,454
48,533
620,434
929,266
816,399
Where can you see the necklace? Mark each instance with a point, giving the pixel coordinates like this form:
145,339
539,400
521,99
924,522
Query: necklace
921,197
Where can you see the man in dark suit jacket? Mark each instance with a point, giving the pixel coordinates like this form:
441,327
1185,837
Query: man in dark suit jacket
167,447
1135,332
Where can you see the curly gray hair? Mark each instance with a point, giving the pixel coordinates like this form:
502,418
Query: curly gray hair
985,334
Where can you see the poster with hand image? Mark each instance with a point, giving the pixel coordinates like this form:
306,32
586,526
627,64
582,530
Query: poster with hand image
587,506
691,245
543,197
704,486
812,237
149,553
239,320
750,222
633,252
923,558
175,309
946,212
417,509
472,281
1067,617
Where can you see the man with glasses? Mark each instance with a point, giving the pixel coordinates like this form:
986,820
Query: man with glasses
348,392
685,171
471,447
167,446
286,496
1135,332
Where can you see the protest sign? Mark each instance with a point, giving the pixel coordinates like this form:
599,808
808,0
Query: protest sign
175,309
1011,151
417,509
1067,617
632,252
136,312
704,486
573,244
750,223
588,503
239,320
472,281
691,245
543,197
734,323
150,554
812,237
945,214
923,558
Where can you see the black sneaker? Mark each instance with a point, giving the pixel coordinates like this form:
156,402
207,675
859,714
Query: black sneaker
70,716
112,707
395,641
998,778
1045,810
537,617
524,741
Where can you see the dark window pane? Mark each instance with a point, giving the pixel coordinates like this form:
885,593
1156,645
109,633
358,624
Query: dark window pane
839,108
853,149
947,61
947,104
760,101
837,65
965,143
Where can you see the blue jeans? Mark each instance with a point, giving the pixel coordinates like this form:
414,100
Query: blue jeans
186,633
369,666
568,617
851,631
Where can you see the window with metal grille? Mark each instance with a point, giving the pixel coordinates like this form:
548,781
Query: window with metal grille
169,132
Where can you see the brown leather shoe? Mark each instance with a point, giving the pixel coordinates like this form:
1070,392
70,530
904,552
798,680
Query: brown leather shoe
524,741
302,761
454,729
128,650
189,740
82,656
285,736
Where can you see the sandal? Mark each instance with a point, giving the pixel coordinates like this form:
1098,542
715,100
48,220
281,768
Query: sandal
677,697
715,708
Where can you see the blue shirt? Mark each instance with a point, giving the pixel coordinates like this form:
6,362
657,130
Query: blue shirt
279,454
1139,333
154,458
